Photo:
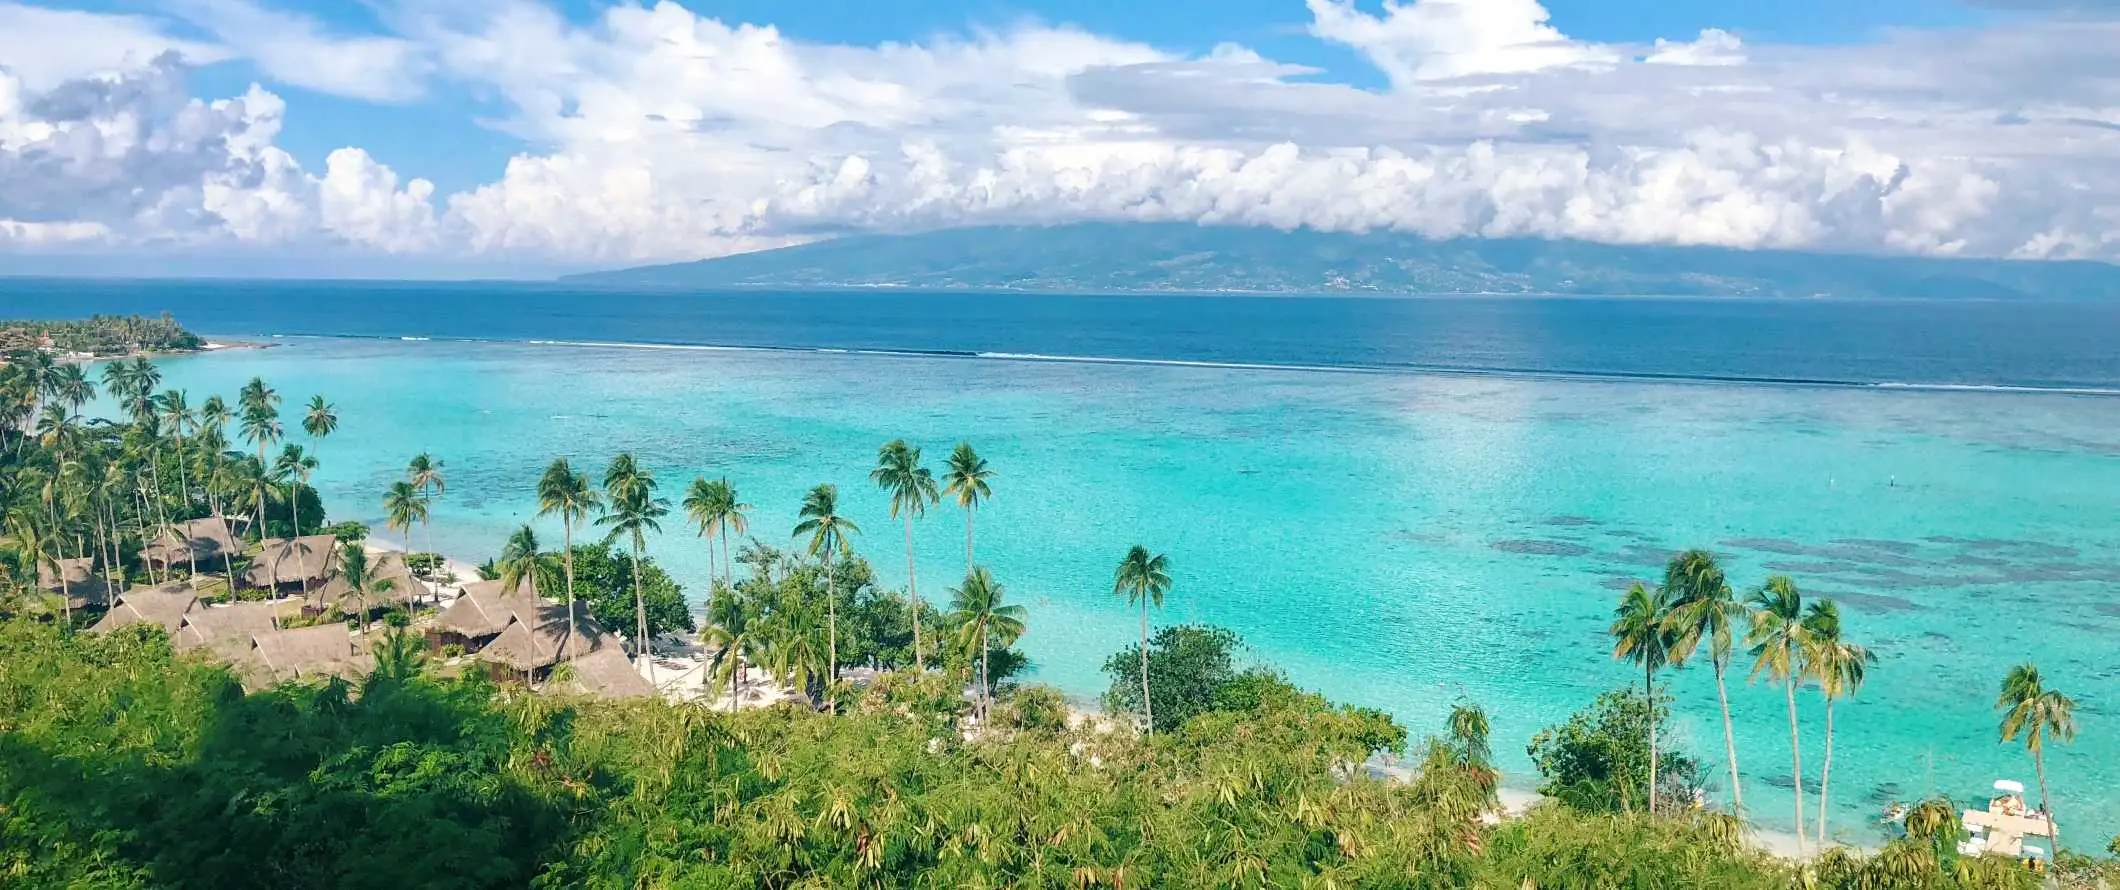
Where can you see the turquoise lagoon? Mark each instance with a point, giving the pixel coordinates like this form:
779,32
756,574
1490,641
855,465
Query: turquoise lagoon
1401,540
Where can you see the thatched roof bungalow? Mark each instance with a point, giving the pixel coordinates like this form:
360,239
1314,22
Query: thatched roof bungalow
181,543
404,586
71,573
606,673
162,606
537,643
326,650
227,630
485,609
284,562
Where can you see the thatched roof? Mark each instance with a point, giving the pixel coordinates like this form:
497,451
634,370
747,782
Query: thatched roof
486,609
606,673
164,606
285,561
527,645
227,629
203,538
74,571
404,587
323,650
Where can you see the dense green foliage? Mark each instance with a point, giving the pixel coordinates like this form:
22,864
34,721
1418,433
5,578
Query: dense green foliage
603,578
1598,760
1188,665
101,335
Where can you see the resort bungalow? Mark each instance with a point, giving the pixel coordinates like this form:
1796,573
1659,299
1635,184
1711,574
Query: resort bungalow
162,606
227,630
404,589
606,673
186,543
533,643
326,650
484,610
76,579
293,565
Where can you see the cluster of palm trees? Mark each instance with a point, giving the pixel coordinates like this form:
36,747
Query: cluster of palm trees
1791,644
75,488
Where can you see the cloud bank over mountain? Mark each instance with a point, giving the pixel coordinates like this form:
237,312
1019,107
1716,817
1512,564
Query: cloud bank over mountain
657,133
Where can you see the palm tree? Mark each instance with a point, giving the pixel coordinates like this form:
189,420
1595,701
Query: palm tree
1703,607
71,387
567,493
1779,646
522,560
176,412
1839,667
1143,579
731,627
292,469
362,585
792,655
634,511
261,425
403,507
2031,710
214,417
977,613
828,533
321,420
424,472
1641,633
912,489
39,546
714,508
964,477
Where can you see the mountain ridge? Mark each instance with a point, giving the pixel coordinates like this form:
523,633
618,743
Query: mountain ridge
1183,257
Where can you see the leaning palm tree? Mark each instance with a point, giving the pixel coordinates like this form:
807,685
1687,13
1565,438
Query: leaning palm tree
634,511
424,472
564,492
731,628
965,478
976,611
1779,646
403,507
261,425
1705,609
1641,633
828,541
1839,666
2037,713
362,585
912,489
1143,579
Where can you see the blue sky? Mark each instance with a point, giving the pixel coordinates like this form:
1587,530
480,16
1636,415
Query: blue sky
525,136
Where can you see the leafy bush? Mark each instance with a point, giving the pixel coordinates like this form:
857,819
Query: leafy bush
1187,665
1598,761
603,576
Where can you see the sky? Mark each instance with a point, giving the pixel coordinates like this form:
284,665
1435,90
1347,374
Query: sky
523,138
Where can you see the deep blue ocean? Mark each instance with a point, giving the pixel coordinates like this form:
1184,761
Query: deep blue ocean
2056,344
1454,522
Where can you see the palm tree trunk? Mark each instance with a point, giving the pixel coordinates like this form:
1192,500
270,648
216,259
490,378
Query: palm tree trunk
912,591
1796,760
1722,696
968,512
1649,689
184,484
831,619
986,689
726,576
259,520
1825,775
2052,831
567,648
640,614
1148,708
294,504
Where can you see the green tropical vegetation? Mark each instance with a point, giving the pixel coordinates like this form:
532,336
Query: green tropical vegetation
909,751
99,335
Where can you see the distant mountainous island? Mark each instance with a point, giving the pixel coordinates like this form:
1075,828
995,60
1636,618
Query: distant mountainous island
1180,257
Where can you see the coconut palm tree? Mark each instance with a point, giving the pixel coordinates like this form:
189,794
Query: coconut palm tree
1642,633
320,420
634,511
2037,713
214,417
38,543
292,469
1779,652
1143,578
403,507
362,585
965,478
912,489
1705,609
567,494
829,535
71,387
733,628
712,506
976,611
1839,666
425,474
261,425
523,560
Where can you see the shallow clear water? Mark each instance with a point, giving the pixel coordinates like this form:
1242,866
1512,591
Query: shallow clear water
1392,539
